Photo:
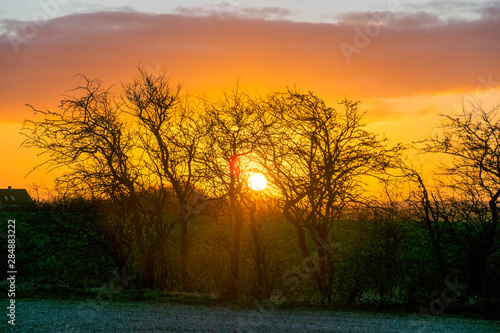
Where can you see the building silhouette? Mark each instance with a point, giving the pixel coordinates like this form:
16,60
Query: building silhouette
14,198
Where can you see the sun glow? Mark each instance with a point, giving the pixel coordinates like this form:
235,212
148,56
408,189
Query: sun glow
257,181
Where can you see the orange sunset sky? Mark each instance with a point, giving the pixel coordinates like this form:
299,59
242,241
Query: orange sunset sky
407,62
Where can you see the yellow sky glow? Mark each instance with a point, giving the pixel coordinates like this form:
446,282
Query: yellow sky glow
405,77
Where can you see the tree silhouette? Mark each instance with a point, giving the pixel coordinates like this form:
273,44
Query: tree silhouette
317,157
471,139
234,125
93,146
435,209
170,133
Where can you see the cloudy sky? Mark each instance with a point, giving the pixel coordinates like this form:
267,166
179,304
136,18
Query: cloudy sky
407,62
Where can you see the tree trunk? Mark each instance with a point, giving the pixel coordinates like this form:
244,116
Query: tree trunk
482,251
478,270
258,256
232,292
326,266
186,283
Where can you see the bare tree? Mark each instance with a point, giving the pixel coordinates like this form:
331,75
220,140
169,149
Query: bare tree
472,140
434,208
137,169
89,142
170,133
261,210
235,123
317,157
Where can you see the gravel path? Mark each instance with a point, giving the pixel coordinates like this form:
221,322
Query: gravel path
91,317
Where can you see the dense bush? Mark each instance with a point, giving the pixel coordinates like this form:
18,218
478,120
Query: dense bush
61,243
380,259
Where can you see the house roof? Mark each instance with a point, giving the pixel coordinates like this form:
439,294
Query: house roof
14,197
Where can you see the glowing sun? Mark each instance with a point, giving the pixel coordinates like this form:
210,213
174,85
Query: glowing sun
257,181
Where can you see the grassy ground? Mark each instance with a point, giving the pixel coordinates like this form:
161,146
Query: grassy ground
91,315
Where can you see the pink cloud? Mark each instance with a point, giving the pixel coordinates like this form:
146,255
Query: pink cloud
227,10
413,55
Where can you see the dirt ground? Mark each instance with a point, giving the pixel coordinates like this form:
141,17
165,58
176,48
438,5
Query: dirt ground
92,317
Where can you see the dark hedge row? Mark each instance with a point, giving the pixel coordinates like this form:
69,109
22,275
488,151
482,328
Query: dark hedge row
381,258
